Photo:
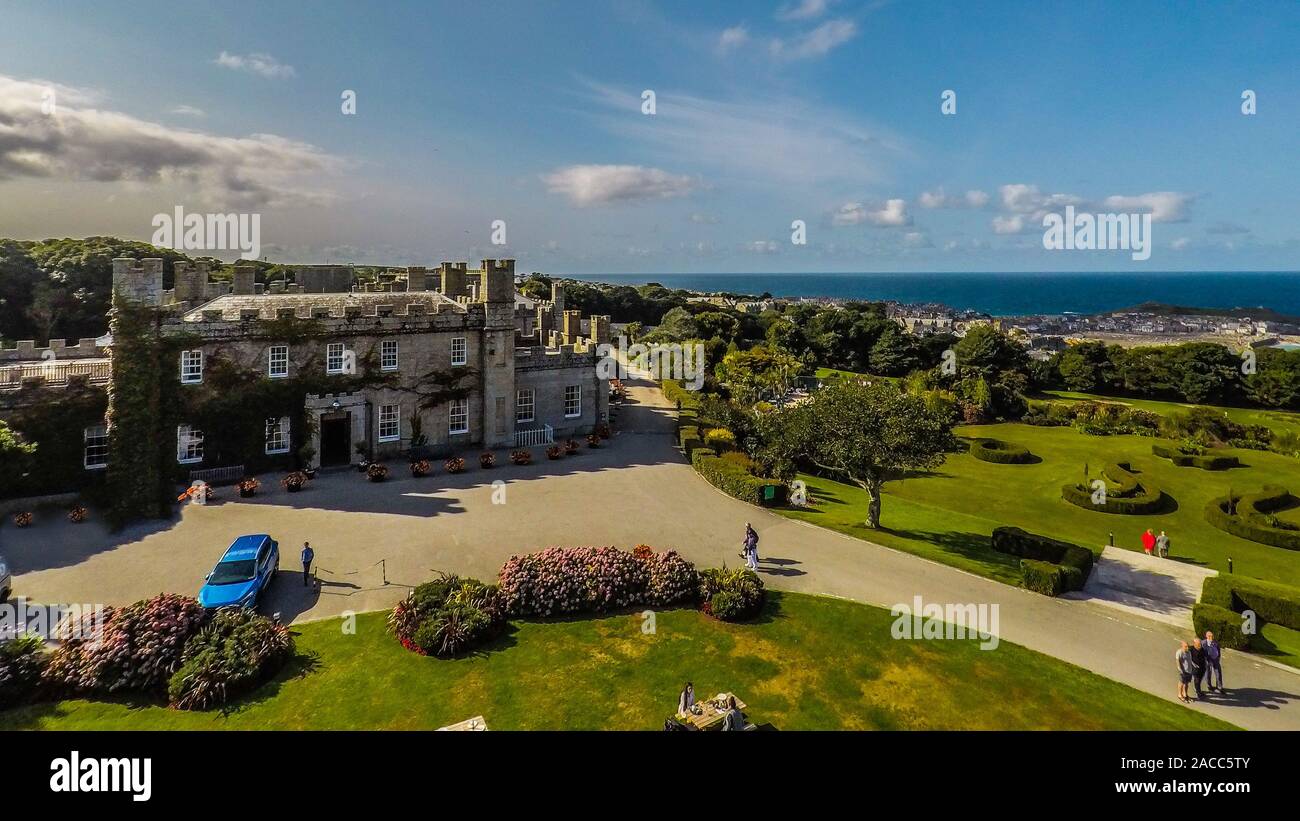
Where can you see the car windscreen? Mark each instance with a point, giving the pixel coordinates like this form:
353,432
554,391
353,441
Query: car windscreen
232,572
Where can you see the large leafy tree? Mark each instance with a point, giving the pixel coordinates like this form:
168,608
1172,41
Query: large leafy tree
865,433
760,371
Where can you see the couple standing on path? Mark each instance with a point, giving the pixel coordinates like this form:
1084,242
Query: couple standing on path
1200,662
1158,544
749,547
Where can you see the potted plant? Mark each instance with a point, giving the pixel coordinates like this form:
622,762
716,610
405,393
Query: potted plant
570,446
455,464
77,514
23,519
376,472
602,430
294,481
593,441
521,457
421,467
554,452
248,486
487,459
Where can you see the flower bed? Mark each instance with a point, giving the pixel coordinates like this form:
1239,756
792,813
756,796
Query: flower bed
448,616
593,580
232,654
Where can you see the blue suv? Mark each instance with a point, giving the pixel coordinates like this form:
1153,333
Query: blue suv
243,574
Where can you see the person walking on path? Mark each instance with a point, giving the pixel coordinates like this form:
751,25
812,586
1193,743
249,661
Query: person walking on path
1162,545
1197,653
308,555
1213,665
751,547
1184,660
1148,541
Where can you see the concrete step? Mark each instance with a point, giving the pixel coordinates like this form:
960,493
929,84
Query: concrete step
1169,613
1149,577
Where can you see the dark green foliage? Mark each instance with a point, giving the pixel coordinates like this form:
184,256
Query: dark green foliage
1130,495
1250,516
731,595
1043,577
1036,550
1204,462
235,652
1000,452
22,663
1270,602
734,480
448,616
1225,624
689,438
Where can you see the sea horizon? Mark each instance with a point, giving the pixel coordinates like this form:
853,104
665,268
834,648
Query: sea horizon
1007,293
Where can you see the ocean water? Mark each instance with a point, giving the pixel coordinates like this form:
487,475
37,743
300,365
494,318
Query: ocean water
1008,294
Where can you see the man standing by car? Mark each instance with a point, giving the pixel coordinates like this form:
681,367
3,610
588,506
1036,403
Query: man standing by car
307,556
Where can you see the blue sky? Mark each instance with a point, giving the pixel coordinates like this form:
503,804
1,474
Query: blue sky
826,111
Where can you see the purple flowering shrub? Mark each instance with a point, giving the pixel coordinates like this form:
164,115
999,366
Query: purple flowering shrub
593,579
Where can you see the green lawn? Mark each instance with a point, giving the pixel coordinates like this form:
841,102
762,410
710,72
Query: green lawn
1277,420
809,663
947,514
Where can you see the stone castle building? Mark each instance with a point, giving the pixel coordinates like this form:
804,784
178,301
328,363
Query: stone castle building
430,361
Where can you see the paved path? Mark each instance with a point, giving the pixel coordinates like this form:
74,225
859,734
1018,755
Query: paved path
637,490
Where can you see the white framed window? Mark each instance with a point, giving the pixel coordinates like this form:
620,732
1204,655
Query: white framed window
458,418
189,445
277,361
388,355
389,423
95,454
572,401
335,358
525,405
191,367
459,350
277,435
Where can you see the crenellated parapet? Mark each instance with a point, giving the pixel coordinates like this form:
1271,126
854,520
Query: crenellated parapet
26,350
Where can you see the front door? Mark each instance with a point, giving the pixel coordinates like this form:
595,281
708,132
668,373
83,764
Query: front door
335,441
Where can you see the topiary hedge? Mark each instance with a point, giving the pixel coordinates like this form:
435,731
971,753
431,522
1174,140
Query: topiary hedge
1074,563
1250,516
1271,602
1000,452
1194,460
1225,624
1131,496
734,480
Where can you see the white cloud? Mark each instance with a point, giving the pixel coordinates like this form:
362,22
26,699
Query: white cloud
818,42
601,184
916,239
732,38
1164,206
257,63
1027,199
107,146
803,10
890,215
1179,244
189,111
763,246
938,199
1013,224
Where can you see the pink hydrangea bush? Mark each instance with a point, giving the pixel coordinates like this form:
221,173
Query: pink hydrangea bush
136,647
592,579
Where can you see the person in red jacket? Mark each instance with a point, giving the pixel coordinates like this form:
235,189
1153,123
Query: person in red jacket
1148,541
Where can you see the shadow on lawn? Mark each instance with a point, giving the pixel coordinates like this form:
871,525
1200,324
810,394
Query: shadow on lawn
962,543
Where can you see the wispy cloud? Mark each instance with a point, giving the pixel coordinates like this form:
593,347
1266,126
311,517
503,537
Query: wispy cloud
81,143
890,214
938,199
189,111
1026,206
732,38
257,63
602,184
818,42
803,10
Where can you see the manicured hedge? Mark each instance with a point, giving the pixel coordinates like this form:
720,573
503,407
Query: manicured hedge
1189,460
1253,519
734,480
1000,452
1271,602
1225,624
689,437
1134,496
690,400
1041,553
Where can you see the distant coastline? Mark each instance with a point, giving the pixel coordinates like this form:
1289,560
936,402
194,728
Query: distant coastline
1006,294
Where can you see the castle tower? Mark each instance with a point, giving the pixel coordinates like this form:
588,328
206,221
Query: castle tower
415,278
498,354
191,281
453,278
600,330
245,280
572,328
138,282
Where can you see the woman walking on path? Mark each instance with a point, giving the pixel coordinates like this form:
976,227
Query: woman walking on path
1185,671
1148,541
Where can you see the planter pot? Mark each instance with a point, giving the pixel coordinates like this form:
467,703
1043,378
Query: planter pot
247,494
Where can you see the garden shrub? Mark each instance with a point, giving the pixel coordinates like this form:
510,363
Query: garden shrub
1271,602
1250,516
1043,577
135,648
448,616
1196,460
690,400
999,452
1130,496
731,595
720,439
1225,624
592,579
1075,561
22,664
236,651
689,437
671,580
741,460
734,480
